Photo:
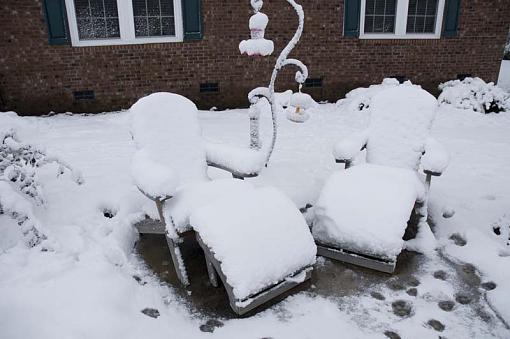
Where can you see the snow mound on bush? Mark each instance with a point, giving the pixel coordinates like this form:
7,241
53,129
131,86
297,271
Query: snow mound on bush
360,98
474,94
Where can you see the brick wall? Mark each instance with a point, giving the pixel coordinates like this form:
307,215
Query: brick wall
36,78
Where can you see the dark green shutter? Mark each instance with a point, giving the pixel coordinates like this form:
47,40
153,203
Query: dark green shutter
451,18
351,17
56,20
192,15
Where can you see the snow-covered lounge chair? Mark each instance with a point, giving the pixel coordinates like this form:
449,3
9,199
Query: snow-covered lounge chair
362,213
232,220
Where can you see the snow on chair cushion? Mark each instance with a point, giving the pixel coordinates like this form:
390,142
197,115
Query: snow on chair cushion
401,118
259,237
165,127
366,208
193,196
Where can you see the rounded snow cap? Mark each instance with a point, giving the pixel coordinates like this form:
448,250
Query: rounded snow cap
259,21
302,100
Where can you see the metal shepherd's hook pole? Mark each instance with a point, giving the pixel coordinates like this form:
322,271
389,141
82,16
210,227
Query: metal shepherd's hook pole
269,93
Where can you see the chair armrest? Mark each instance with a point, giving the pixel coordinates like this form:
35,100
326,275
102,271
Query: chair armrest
242,162
348,148
153,179
435,159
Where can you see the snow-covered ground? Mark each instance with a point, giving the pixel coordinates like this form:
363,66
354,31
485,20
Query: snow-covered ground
85,288
504,75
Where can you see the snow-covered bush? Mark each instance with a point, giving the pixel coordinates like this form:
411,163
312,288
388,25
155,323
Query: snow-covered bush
359,99
19,187
475,94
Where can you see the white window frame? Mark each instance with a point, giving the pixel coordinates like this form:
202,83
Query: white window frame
126,26
401,23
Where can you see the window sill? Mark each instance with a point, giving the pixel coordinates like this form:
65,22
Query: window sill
117,42
400,36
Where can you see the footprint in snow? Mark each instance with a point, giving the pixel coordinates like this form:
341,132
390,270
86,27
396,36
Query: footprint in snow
446,305
436,325
458,239
211,325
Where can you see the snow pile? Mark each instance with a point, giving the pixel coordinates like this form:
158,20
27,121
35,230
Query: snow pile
242,160
170,148
474,94
366,208
256,250
194,196
436,158
360,98
400,122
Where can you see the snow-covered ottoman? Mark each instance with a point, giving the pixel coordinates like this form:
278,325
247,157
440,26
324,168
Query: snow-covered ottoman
365,210
259,244
362,212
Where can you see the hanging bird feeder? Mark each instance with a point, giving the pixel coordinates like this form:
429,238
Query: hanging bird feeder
300,103
257,45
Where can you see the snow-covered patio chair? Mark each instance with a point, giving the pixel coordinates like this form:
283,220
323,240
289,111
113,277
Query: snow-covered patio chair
362,213
231,219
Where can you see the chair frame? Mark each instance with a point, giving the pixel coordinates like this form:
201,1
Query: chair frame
240,307
367,261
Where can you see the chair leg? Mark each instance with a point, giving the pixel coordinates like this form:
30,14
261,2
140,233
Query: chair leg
213,276
180,268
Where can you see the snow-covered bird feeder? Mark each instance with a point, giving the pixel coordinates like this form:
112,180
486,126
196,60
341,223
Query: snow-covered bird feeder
257,45
299,105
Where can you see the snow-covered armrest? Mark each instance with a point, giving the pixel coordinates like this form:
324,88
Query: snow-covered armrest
153,179
242,162
435,159
346,149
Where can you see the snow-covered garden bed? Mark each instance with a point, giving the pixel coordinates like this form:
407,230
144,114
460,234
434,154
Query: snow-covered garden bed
84,287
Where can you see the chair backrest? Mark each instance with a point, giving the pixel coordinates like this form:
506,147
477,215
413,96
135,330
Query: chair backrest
400,122
166,126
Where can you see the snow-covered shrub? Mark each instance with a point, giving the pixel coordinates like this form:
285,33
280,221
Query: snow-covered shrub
19,187
359,99
475,94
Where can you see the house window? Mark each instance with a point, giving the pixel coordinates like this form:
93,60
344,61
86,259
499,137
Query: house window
97,19
380,16
118,22
401,19
154,18
421,16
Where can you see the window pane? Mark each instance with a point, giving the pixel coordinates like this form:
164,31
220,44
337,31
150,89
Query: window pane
154,26
168,26
154,18
421,16
380,16
153,7
97,19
